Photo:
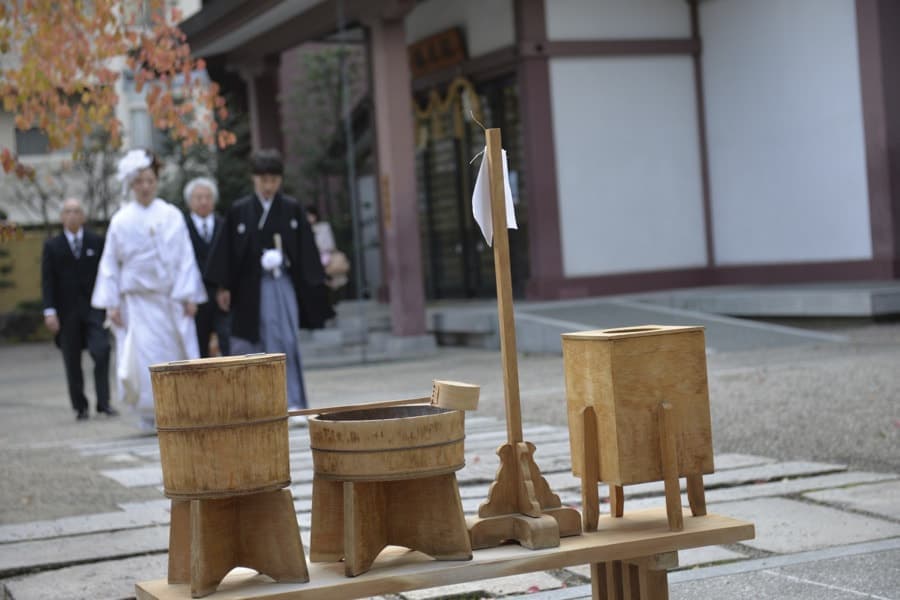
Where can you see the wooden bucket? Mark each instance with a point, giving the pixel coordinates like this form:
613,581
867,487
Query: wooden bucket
385,444
222,425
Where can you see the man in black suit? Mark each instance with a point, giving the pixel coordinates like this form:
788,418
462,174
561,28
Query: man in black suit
68,270
200,195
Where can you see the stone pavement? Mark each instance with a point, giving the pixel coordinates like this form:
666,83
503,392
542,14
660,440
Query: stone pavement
806,448
800,508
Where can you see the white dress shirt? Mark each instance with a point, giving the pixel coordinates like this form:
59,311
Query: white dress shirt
71,237
210,222
266,205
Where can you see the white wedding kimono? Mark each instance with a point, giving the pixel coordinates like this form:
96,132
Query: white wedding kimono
148,271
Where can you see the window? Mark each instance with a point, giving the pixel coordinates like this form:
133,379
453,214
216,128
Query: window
31,141
141,129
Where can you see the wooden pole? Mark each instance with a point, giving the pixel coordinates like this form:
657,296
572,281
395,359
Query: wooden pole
504,289
520,505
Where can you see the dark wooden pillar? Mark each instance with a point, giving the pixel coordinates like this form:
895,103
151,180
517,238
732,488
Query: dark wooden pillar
539,172
262,99
392,93
878,22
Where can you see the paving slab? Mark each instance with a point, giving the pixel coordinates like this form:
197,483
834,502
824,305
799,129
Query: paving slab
738,569
878,498
732,477
798,485
760,584
875,576
19,557
136,476
784,526
500,586
109,580
152,514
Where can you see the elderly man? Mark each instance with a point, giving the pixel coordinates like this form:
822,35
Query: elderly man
68,272
203,225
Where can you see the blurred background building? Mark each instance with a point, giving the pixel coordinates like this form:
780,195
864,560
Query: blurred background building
652,143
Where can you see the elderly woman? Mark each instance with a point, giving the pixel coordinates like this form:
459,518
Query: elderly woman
149,284
200,195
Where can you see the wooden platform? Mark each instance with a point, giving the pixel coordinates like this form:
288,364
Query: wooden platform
637,534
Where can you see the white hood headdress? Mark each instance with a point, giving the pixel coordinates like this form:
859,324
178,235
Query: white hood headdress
130,165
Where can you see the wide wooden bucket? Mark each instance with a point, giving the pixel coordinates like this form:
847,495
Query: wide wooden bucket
222,425
390,443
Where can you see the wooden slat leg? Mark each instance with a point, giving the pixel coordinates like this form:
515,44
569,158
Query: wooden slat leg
180,542
270,536
326,538
426,515
590,476
214,543
628,587
669,454
614,580
598,581
654,584
696,495
616,500
365,534
651,575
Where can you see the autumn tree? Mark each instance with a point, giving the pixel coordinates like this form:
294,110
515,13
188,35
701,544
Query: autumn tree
60,63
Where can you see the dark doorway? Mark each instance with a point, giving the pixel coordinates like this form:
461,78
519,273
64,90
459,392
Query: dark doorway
458,262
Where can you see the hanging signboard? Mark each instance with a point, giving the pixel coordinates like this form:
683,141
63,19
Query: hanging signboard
437,52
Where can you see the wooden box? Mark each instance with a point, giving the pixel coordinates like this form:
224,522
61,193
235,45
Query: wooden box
624,375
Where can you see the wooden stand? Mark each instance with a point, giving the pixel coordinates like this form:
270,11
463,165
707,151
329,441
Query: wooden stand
638,406
356,520
633,579
208,538
520,504
628,558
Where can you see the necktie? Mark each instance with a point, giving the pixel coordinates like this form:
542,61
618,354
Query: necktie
76,247
205,230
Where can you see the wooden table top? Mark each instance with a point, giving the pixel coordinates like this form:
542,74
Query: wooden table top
637,534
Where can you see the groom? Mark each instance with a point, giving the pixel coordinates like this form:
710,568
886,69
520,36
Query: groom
267,270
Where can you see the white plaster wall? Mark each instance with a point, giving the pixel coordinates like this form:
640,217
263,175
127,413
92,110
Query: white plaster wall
628,166
617,19
786,144
487,24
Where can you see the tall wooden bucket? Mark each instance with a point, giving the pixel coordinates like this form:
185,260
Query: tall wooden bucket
222,425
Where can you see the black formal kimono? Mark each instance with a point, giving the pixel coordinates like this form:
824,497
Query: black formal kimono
270,305
209,316
234,262
67,283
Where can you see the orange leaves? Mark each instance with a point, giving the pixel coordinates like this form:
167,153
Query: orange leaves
11,164
67,59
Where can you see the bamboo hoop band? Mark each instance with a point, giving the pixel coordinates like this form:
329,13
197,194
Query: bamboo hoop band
377,450
222,425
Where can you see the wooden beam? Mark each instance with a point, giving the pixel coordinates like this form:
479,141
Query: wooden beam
637,534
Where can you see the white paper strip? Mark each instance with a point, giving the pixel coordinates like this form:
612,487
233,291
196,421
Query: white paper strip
481,200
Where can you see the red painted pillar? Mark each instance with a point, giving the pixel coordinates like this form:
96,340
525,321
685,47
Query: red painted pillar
262,100
879,73
391,88
539,172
